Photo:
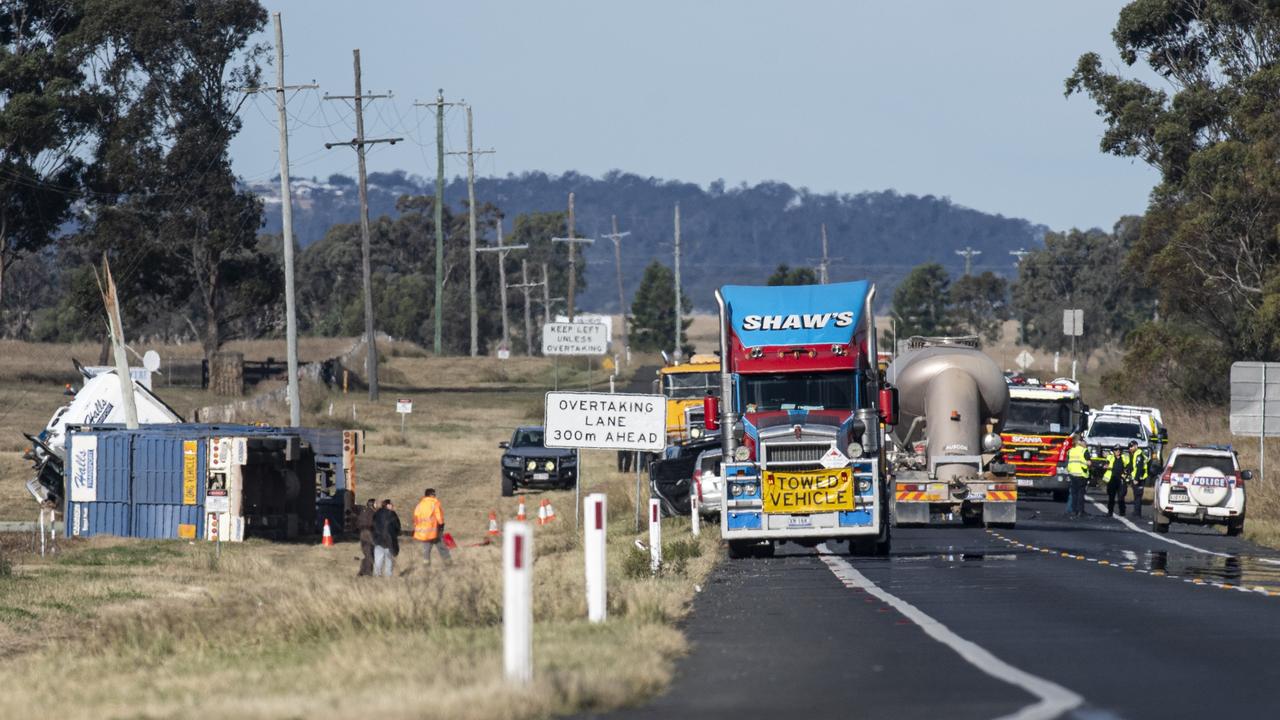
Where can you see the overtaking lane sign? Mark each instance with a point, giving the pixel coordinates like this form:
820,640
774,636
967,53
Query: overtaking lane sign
605,421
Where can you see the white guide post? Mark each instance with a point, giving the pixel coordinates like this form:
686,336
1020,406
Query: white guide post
655,535
695,510
517,601
596,511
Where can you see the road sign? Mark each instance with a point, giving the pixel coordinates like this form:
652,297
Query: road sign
575,339
1025,360
1255,398
834,459
605,422
404,407
606,320
1073,322
504,353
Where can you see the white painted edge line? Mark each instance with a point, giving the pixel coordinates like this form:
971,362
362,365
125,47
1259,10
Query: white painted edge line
1127,523
1054,700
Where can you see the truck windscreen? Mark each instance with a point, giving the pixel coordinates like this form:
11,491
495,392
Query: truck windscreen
1103,428
684,386
1038,416
785,391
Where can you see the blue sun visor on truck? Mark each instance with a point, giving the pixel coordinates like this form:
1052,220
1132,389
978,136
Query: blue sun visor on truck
796,314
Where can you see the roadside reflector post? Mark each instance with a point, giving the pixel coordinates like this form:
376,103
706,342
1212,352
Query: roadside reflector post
517,602
655,536
695,510
596,510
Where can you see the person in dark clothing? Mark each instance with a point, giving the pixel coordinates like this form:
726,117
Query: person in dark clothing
364,523
625,459
1115,477
386,540
1139,471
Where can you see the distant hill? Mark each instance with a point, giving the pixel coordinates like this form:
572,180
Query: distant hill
728,234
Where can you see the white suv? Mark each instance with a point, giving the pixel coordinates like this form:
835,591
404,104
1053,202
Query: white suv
1201,485
708,483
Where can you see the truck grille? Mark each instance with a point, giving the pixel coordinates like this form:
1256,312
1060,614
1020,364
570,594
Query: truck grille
795,455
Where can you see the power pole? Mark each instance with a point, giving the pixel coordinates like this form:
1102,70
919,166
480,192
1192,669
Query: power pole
439,105
824,263
573,263
528,315
1019,254
286,216
471,233
502,281
546,295
968,254
677,264
616,237
359,143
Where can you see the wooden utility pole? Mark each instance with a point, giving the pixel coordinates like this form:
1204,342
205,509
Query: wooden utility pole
359,143
968,254
546,295
471,233
822,272
679,329
439,106
616,237
528,313
573,263
502,251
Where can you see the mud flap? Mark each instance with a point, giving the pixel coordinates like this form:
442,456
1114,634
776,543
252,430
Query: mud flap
1000,513
910,513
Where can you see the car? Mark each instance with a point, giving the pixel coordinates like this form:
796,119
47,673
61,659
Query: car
671,477
708,483
528,463
1201,485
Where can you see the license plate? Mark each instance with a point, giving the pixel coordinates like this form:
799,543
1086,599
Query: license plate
541,476
809,491
1024,482
799,521
1178,498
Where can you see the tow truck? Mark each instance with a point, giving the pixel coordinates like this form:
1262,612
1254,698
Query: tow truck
685,385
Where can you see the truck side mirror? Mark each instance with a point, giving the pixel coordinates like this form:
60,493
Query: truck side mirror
711,412
889,405
657,387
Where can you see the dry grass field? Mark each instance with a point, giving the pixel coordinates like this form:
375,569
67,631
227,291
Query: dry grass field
127,628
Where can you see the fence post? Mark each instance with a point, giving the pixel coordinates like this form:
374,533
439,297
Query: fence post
517,601
655,536
597,512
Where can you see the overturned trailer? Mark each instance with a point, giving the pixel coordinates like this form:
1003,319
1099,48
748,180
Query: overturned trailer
212,482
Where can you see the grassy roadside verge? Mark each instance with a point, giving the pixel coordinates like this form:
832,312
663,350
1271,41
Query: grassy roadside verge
126,628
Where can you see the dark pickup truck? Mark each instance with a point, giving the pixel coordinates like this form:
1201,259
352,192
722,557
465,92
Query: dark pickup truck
527,463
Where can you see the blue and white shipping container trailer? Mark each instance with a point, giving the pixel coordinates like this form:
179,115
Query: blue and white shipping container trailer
213,482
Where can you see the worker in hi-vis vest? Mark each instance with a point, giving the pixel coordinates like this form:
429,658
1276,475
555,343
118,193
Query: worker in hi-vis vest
1139,471
1078,473
428,525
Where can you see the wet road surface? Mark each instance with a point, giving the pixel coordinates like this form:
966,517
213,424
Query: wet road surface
1053,618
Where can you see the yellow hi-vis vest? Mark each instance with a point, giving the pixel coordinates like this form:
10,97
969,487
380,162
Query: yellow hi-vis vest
1077,462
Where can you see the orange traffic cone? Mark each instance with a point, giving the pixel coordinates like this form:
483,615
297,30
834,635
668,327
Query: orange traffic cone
520,514
327,539
551,512
542,512
493,524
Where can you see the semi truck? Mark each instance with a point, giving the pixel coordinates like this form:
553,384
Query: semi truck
800,414
1037,433
684,385
947,440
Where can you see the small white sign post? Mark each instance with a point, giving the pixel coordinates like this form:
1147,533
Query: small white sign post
597,513
1073,327
695,511
404,407
604,421
517,601
655,536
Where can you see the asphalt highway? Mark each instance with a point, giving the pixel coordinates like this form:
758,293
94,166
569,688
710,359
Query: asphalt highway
1054,618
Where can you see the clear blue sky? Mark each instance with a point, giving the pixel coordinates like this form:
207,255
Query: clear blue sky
946,98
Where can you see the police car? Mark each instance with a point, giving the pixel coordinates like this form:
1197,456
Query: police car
1201,485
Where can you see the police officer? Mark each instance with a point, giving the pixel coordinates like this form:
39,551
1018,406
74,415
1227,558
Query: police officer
1139,471
1114,476
1078,471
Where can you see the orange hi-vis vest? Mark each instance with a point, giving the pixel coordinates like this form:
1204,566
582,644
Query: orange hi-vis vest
428,516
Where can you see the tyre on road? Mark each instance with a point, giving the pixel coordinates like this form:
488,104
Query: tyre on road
1160,521
740,549
1235,527
508,487
765,549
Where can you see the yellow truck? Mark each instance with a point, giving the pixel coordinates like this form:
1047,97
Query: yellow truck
685,385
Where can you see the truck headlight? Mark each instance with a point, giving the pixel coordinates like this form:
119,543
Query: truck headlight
531,465
741,453
695,433
749,489
864,485
549,465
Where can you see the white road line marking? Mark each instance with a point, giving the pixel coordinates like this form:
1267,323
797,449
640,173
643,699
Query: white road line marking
1125,521
1054,700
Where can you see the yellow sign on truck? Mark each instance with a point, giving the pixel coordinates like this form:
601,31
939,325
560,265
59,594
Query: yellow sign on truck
808,491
